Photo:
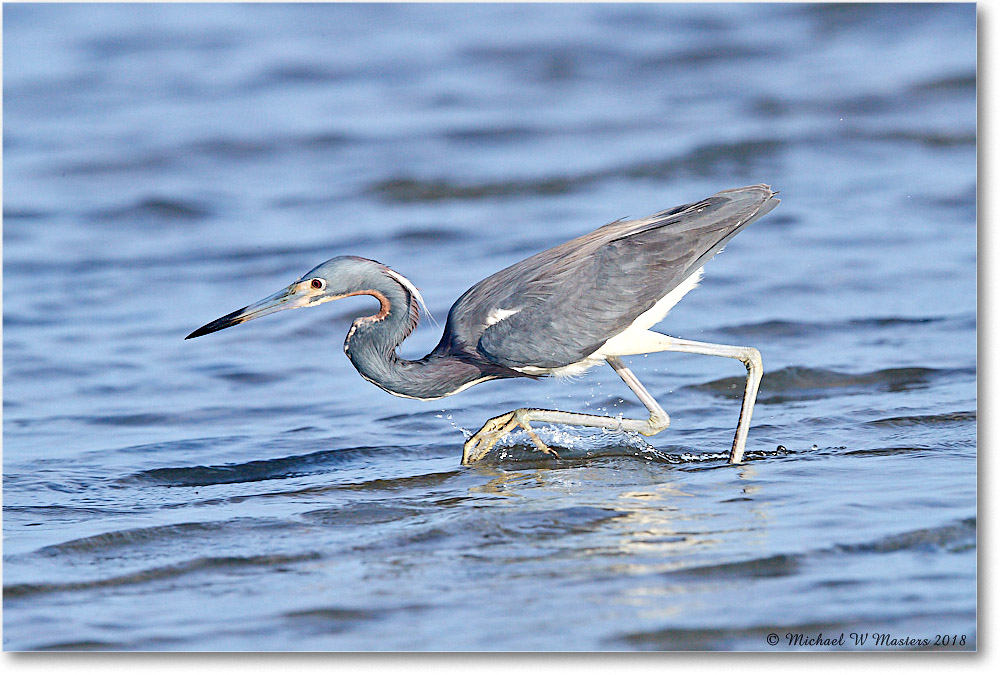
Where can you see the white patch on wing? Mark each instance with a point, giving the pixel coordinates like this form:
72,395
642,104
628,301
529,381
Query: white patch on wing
572,370
636,338
497,315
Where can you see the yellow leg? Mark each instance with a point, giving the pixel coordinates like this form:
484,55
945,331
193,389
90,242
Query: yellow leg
496,428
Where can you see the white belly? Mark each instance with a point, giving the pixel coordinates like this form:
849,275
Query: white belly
636,339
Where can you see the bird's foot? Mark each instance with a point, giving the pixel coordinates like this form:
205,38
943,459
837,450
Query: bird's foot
495,429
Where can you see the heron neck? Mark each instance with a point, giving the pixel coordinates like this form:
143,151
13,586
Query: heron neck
371,346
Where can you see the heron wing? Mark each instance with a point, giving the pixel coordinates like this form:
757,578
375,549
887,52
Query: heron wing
561,305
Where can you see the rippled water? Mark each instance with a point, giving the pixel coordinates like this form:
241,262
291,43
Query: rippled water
164,165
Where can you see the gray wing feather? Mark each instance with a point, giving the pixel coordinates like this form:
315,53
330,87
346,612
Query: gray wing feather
572,298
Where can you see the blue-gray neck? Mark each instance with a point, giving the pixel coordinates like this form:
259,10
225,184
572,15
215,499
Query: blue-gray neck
372,341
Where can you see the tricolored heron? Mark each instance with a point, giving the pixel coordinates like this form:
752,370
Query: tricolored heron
559,312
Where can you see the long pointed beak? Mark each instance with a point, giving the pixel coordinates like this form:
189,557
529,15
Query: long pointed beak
286,298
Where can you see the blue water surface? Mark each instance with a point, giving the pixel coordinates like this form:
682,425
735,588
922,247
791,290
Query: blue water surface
164,165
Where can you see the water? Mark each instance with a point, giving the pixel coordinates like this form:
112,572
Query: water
165,165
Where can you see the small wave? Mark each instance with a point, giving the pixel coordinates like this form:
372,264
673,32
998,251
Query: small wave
361,514
320,140
247,472
230,149
136,420
109,541
482,533
56,512
244,377
755,568
558,522
915,420
194,417
958,199
954,537
404,482
82,645
706,159
707,55
800,383
155,210
329,620
327,614
779,328
404,189
12,214
427,235
127,45
45,371
149,161
884,452
948,84
158,573
265,469
218,148
494,134
932,139
180,445
306,73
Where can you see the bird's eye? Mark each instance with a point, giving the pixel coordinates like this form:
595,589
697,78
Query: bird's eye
318,284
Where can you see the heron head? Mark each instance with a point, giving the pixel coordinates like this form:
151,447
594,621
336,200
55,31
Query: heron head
336,278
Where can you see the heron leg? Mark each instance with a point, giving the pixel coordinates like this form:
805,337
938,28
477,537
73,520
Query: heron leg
496,428
750,358
483,441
